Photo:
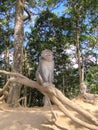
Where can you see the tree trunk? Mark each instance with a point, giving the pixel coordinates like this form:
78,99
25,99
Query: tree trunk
14,93
79,55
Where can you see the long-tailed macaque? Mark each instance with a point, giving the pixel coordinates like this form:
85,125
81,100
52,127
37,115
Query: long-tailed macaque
45,71
88,97
83,88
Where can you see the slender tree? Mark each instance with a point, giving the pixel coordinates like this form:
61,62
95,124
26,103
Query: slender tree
79,12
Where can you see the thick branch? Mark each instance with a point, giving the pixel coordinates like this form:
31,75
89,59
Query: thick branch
12,74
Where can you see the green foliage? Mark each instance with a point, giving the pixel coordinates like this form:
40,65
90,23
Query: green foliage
92,78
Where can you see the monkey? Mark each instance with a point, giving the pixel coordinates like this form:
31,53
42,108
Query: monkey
83,88
45,71
88,97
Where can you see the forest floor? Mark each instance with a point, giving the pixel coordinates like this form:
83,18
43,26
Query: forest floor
37,118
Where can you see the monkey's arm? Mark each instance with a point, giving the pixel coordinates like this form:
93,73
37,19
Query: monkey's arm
43,70
39,77
51,75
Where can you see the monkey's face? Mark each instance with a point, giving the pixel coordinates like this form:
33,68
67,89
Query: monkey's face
47,55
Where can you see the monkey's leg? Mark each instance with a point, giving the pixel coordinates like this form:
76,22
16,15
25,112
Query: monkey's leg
46,101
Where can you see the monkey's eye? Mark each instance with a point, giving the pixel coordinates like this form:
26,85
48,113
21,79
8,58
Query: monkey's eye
46,54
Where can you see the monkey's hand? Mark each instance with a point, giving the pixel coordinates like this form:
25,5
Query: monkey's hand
47,84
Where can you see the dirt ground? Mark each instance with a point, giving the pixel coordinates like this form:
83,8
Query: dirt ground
38,118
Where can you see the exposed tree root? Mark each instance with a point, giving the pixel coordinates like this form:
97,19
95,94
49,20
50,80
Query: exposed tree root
58,99
2,98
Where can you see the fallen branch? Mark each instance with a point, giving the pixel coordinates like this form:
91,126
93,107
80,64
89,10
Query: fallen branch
58,99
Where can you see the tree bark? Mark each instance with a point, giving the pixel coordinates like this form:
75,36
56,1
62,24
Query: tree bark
78,50
14,93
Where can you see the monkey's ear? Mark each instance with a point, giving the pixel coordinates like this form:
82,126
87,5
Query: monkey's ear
39,58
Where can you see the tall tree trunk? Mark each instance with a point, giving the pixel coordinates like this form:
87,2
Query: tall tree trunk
14,93
79,58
